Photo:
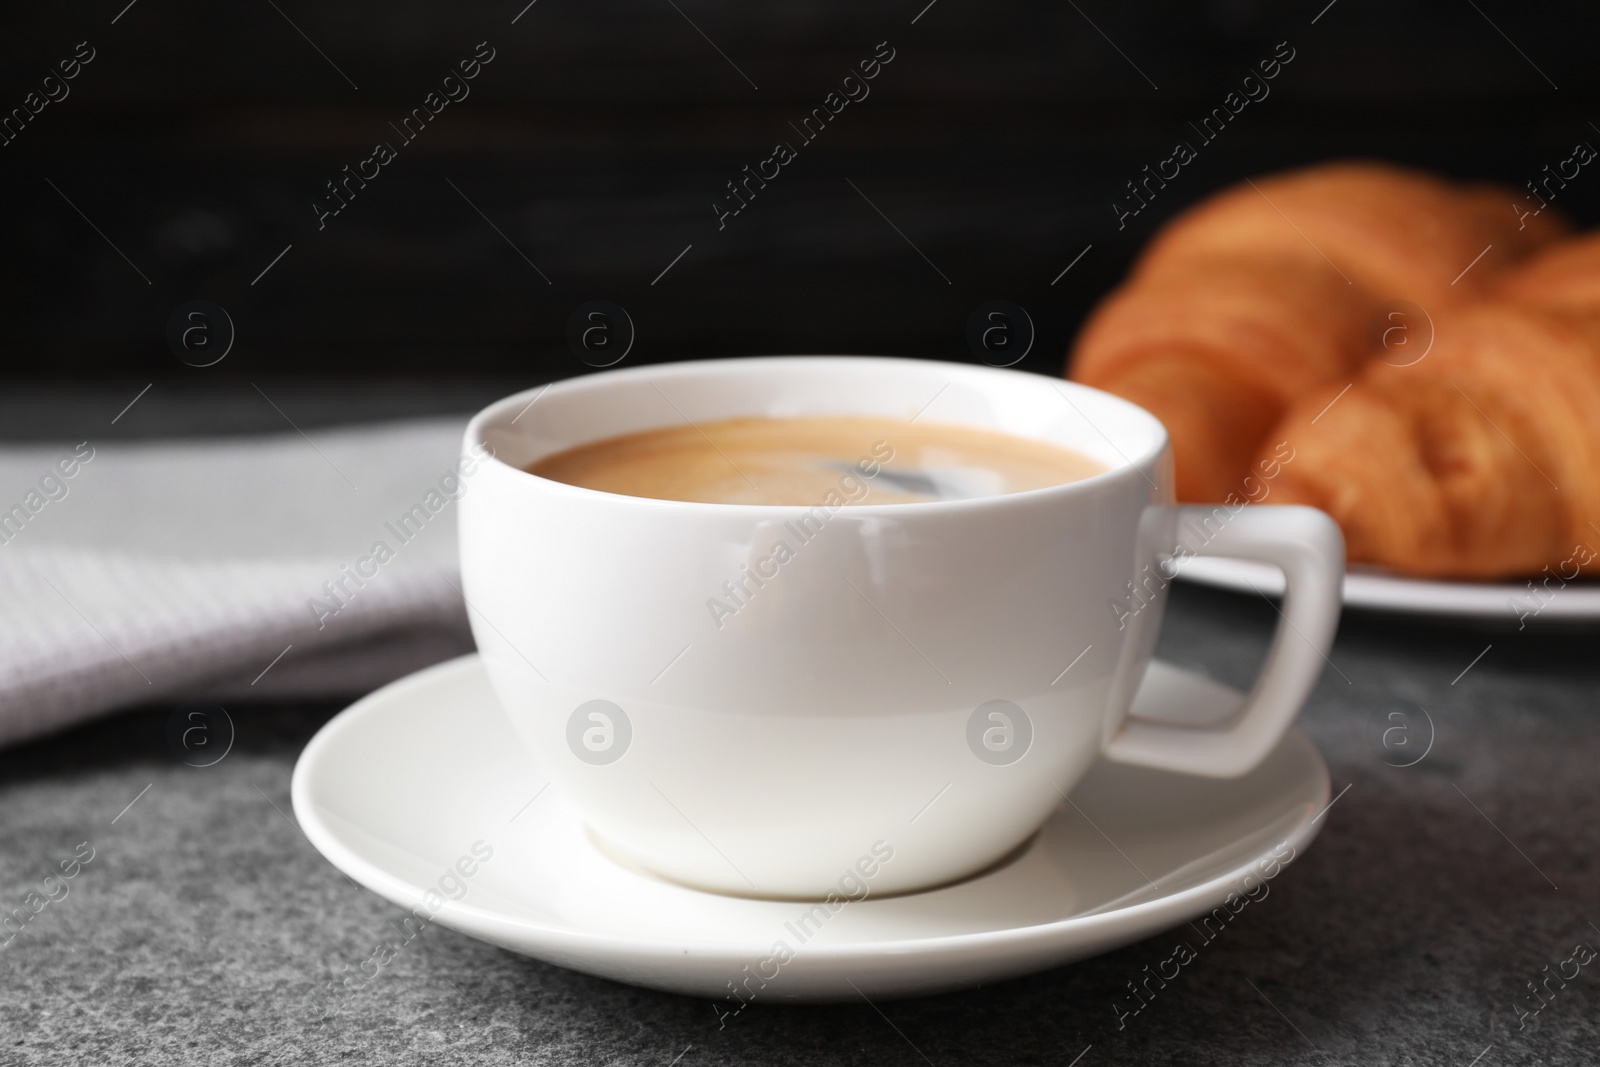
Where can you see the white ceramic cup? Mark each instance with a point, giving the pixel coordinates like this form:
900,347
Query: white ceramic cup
903,697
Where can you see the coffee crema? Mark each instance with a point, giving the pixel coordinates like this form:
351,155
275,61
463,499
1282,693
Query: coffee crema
815,460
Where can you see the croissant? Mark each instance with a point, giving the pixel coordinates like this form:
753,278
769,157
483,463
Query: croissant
1481,460
1392,232
1217,351
1563,277
1267,292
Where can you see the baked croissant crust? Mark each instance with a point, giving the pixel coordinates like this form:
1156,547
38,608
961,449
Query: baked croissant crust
1217,350
1563,277
1391,232
1481,460
1251,312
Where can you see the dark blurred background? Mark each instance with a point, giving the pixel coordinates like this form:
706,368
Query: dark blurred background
191,148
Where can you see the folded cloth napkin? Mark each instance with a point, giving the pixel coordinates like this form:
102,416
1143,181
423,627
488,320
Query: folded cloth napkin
297,564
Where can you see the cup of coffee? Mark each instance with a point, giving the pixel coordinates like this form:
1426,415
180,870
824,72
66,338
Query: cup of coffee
812,627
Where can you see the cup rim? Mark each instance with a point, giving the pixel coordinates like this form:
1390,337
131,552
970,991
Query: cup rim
1141,465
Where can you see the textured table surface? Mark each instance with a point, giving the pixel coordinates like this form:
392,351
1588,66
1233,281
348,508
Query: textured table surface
205,925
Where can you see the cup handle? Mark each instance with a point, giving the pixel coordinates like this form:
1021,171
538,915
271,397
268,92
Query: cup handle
1307,545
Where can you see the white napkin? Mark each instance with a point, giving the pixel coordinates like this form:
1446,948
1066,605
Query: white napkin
200,569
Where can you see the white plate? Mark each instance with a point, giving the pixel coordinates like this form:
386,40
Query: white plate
1378,591
407,781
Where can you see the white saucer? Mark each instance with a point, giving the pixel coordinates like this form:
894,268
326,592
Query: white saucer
1510,603
409,780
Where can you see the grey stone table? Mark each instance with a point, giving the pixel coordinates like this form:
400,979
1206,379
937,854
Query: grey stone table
205,925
